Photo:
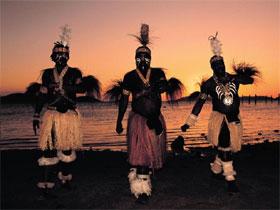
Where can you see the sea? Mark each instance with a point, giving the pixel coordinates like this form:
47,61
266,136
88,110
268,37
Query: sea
261,123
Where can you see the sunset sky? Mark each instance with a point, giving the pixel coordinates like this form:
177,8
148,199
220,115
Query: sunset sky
101,45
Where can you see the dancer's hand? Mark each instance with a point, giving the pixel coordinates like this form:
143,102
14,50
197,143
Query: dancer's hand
119,128
36,124
185,127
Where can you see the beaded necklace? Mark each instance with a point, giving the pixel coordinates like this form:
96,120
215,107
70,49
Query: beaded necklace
146,80
58,78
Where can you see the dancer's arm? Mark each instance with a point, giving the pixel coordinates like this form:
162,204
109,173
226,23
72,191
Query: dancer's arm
122,109
162,83
123,104
40,101
245,73
244,80
79,86
192,118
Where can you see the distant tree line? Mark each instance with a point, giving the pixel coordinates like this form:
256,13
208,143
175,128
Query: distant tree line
30,95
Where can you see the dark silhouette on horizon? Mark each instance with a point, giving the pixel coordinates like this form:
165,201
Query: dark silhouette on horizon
29,96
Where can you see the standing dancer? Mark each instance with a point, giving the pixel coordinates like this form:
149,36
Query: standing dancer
146,130
60,134
225,125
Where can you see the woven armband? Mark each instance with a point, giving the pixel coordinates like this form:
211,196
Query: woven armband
203,96
43,90
191,120
126,92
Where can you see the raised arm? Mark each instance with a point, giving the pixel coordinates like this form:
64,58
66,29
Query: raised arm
245,73
244,80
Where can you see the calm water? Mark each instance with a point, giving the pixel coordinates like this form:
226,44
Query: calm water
261,122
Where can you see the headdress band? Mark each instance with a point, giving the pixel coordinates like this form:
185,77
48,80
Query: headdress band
60,49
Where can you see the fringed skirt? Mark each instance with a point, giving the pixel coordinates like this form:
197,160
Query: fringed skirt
61,131
235,129
145,148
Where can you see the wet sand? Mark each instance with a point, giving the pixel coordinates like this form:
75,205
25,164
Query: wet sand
100,181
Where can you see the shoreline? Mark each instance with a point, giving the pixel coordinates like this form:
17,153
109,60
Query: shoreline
122,147
100,181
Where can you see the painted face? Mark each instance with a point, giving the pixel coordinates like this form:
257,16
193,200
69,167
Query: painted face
61,58
143,61
219,68
60,55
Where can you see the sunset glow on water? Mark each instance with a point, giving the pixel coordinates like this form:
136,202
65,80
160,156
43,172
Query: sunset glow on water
260,121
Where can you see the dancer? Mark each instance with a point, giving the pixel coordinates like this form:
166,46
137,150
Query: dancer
146,130
225,125
60,133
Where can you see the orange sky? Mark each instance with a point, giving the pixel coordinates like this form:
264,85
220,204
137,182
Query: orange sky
100,45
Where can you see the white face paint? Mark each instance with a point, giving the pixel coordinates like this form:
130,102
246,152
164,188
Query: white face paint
61,58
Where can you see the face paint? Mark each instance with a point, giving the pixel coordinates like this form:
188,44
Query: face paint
61,58
143,61
60,55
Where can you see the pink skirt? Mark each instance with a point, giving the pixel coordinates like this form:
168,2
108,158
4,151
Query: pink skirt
145,148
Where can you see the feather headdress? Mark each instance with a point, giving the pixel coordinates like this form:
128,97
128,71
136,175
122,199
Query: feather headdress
63,44
216,48
143,38
65,35
215,44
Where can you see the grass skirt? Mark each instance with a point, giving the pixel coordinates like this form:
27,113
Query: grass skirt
214,128
145,148
65,128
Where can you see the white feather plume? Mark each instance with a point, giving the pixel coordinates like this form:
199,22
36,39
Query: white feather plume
215,45
65,35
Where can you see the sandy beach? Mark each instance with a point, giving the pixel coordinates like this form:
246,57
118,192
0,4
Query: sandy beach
100,181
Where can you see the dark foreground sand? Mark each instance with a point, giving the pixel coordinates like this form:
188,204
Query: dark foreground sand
100,181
